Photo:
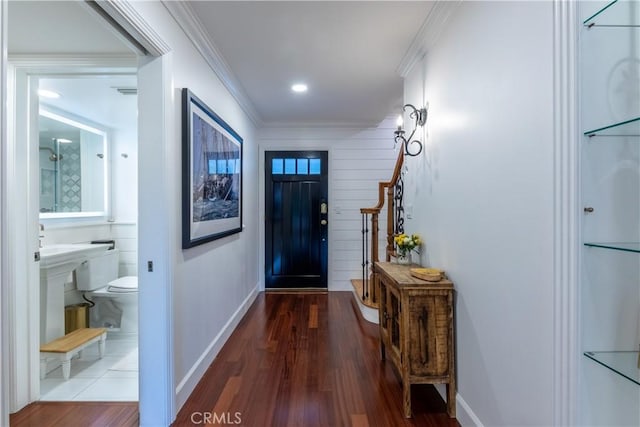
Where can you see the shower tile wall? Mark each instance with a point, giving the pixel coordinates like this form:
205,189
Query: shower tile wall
70,178
47,189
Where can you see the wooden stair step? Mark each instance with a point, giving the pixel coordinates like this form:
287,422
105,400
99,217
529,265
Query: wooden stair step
357,285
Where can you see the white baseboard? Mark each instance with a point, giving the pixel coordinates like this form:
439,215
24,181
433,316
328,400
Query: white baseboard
369,314
466,417
190,380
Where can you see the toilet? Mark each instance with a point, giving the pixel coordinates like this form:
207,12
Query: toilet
115,298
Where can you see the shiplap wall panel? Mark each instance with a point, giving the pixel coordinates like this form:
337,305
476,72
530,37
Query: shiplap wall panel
349,194
347,224
348,235
353,154
357,174
358,160
368,165
363,184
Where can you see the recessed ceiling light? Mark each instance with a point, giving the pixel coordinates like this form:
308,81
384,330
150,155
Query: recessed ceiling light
299,87
64,140
48,93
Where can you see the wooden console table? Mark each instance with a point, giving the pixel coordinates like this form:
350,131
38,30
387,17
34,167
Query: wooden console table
416,330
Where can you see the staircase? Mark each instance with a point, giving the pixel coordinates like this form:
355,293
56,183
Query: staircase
390,197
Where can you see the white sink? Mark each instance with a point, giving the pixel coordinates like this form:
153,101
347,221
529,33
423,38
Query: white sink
56,264
54,255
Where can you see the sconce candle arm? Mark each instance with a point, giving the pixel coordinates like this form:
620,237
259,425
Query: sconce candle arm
419,117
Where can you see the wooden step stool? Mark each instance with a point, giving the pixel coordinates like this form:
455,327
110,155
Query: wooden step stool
64,348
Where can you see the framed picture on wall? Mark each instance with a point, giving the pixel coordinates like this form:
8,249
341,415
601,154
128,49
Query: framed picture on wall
211,174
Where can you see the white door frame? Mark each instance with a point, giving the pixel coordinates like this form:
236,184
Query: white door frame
22,278
156,242
4,371
155,239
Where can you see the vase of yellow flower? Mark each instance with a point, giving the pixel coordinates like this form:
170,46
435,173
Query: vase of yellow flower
404,259
404,245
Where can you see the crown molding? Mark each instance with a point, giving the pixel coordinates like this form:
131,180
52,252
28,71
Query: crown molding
427,35
186,18
126,19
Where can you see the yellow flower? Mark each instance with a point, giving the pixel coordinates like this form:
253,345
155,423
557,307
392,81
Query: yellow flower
406,243
399,238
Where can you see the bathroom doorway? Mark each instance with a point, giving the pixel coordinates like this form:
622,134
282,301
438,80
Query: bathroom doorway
72,151
57,37
87,155
81,161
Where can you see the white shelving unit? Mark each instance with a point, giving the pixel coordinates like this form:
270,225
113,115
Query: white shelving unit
610,176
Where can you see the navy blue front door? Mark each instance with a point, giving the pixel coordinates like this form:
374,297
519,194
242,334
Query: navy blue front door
296,219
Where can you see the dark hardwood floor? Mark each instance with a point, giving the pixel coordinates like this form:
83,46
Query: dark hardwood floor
300,359
306,360
77,414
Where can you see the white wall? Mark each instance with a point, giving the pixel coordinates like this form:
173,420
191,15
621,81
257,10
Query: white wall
213,283
124,188
482,200
124,166
358,160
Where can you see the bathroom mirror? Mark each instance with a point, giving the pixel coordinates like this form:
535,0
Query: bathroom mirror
73,167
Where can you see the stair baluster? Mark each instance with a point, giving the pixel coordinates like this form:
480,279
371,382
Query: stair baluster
395,224
365,257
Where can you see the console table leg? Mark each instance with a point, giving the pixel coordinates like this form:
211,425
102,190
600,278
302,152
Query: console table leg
406,398
451,400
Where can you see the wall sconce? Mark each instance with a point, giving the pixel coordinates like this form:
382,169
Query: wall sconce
420,118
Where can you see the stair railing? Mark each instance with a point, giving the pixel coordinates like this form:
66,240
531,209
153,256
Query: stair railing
395,220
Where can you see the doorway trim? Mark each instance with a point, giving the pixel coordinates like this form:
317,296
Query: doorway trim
4,383
22,277
157,394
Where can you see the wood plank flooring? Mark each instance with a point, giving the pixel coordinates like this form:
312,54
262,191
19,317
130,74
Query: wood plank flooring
306,360
299,360
77,414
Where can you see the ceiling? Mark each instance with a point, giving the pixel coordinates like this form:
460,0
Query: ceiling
347,52
95,98
59,27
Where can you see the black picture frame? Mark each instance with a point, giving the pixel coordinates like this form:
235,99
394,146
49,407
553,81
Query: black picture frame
211,174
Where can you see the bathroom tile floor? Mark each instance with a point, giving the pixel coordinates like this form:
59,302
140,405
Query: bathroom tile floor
112,378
